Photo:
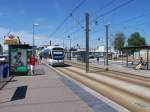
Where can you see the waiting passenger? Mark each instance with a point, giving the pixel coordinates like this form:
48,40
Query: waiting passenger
32,64
140,64
97,59
40,58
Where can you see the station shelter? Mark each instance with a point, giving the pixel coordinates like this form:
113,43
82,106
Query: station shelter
128,50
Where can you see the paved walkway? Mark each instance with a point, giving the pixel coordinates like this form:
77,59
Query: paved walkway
44,92
5,81
118,66
122,68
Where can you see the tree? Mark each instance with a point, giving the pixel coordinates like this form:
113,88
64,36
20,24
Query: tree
136,40
119,40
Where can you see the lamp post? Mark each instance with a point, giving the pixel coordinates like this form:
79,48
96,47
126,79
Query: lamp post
107,26
63,43
99,42
33,37
70,46
70,40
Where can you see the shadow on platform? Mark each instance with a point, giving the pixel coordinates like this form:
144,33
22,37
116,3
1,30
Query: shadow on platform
19,94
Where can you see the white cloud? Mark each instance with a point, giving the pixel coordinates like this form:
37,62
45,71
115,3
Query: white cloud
39,39
27,37
3,31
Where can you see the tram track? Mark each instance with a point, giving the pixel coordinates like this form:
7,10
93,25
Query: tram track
130,75
134,94
116,75
125,98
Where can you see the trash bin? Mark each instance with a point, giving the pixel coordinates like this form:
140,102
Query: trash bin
5,71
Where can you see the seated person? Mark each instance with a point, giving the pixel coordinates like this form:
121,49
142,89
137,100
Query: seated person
140,64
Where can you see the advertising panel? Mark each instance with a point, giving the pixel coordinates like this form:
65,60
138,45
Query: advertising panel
11,40
18,60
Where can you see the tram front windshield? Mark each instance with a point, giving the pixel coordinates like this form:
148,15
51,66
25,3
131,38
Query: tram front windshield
58,55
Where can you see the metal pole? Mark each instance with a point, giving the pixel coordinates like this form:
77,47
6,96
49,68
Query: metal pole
122,57
70,43
70,48
87,41
127,58
147,59
107,47
33,38
110,41
104,56
63,44
50,42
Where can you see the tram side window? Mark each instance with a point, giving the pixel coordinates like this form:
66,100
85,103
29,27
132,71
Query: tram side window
50,56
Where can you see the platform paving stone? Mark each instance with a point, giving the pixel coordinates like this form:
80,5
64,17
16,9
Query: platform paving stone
48,92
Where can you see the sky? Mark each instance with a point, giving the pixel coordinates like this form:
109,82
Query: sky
18,16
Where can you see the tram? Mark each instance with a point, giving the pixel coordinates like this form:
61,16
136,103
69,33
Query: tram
54,55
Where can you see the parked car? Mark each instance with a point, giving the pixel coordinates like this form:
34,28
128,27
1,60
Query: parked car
91,57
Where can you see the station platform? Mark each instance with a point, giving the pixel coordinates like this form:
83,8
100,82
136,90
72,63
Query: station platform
47,91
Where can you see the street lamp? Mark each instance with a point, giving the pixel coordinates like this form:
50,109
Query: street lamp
107,27
70,40
78,47
70,45
99,41
34,25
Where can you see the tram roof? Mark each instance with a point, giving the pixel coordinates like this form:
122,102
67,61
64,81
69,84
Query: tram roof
51,47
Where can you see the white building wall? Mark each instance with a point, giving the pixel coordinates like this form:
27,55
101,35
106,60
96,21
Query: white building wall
141,53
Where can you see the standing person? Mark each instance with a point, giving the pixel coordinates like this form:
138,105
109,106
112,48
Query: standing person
97,59
32,64
40,59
